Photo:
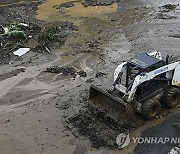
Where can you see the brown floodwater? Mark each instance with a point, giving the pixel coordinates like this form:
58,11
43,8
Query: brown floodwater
48,11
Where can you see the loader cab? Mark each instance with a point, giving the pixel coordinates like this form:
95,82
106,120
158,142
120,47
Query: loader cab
140,65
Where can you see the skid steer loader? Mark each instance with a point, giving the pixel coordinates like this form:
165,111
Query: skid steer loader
142,84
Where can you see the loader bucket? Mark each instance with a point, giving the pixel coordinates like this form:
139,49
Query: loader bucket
115,107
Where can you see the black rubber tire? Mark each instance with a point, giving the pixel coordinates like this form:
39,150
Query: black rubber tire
151,108
171,97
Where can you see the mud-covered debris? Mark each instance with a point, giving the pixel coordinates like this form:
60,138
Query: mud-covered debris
82,73
1,30
93,44
68,70
62,106
56,34
51,35
176,36
7,120
90,80
24,25
87,3
100,74
66,5
101,130
16,35
165,16
170,7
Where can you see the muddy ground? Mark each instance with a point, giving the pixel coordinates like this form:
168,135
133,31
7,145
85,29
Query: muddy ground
44,96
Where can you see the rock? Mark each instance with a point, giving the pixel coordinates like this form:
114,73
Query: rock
100,74
90,80
63,106
169,6
67,5
7,120
87,3
82,73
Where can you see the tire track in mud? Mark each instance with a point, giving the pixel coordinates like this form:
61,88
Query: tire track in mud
11,74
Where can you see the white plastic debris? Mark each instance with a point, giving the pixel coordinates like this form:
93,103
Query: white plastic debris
6,30
23,24
21,51
47,50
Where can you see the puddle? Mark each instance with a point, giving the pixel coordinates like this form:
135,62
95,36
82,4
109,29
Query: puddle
93,24
48,11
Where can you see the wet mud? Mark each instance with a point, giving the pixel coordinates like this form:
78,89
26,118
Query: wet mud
11,74
49,109
102,130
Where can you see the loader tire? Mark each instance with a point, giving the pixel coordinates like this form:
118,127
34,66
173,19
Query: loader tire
151,108
171,97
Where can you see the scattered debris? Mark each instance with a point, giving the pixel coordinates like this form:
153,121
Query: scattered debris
8,120
64,70
169,7
176,36
21,51
18,35
67,70
100,130
62,106
23,25
15,36
67,4
82,73
56,33
98,2
100,74
165,16
90,80
93,44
